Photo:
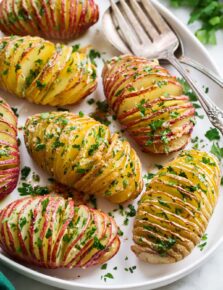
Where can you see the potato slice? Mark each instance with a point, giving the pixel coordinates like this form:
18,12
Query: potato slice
20,48
31,64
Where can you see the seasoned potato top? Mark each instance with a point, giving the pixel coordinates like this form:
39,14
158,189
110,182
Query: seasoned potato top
149,103
81,153
174,211
45,73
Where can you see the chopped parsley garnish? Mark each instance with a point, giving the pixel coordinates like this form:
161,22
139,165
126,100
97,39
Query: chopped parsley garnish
119,92
217,151
212,134
131,89
44,204
141,107
107,276
164,246
93,54
207,160
155,125
40,85
91,101
4,152
28,189
203,242
187,90
102,106
104,267
81,114
15,111
22,222
75,47
97,244
17,67
174,114
39,243
25,172
48,233
40,147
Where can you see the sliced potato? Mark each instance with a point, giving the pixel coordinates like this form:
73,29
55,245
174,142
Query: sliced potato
174,212
51,232
45,73
57,19
149,103
81,153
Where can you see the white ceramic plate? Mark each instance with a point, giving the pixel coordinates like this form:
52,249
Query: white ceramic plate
144,276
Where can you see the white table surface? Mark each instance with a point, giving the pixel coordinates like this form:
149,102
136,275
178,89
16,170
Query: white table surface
210,275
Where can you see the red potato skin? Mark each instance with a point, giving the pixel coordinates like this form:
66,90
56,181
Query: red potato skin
49,18
102,235
27,255
50,249
44,228
8,231
10,167
22,28
74,29
134,110
38,18
114,81
97,256
75,241
4,227
34,28
81,254
129,70
122,96
23,247
61,234
5,7
185,106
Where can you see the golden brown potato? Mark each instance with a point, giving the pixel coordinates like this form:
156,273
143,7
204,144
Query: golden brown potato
80,152
62,20
45,73
149,103
174,212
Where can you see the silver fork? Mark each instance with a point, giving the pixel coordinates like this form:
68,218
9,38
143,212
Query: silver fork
146,33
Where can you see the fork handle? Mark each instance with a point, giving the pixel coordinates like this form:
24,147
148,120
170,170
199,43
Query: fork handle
190,62
214,113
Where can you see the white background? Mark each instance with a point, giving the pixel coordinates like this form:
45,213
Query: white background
209,276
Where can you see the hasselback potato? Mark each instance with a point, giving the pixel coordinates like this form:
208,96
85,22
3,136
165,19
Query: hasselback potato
62,20
43,72
149,103
80,152
9,152
52,232
174,212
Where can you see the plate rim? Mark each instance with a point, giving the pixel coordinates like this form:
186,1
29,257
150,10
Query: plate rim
155,283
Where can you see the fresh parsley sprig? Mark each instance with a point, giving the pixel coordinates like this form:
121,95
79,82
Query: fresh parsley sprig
209,13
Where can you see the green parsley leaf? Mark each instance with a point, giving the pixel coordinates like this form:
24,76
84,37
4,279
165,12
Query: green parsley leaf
212,134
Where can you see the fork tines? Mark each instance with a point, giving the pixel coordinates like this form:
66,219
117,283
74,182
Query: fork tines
139,21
